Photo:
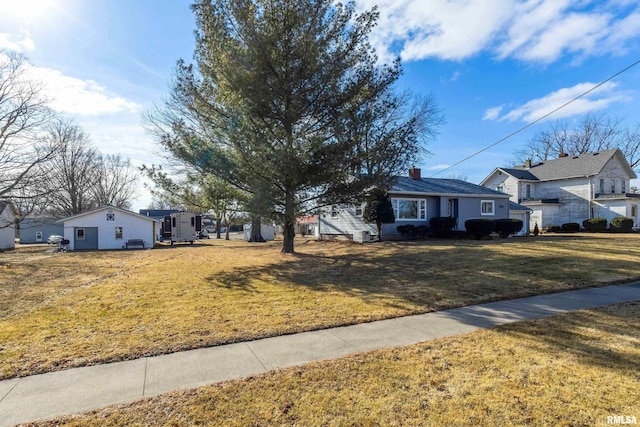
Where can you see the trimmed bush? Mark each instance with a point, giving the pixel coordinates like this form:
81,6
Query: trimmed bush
621,225
595,225
507,226
554,229
480,227
422,230
407,230
442,225
570,227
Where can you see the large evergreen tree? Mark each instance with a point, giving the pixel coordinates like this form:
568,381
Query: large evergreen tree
287,102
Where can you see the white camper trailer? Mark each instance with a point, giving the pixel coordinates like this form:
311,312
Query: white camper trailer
181,227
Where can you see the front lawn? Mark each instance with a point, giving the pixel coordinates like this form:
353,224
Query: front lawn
60,310
576,369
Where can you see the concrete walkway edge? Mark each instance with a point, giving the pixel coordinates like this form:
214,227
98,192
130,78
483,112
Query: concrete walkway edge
83,389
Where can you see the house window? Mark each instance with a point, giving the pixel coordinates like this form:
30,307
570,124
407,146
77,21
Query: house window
601,186
487,207
334,212
409,209
634,212
359,209
500,188
623,188
79,233
118,232
111,217
528,191
613,186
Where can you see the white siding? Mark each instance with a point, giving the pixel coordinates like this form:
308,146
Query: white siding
612,172
7,229
574,196
613,209
133,227
345,223
509,184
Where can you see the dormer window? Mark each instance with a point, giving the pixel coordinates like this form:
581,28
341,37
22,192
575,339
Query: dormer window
601,186
613,186
623,188
528,190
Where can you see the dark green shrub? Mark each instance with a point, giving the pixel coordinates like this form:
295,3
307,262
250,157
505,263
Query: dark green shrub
621,225
408,230
422,230
480,227
442,225
570,227
554,229
507,226
595,225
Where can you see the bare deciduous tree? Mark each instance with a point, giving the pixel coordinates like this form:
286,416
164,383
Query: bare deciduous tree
592,132
79,177
115,182
23,115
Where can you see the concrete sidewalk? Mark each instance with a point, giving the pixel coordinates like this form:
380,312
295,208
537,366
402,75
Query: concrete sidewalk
82,389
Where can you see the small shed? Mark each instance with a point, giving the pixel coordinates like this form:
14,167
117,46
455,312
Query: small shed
108,227
7,226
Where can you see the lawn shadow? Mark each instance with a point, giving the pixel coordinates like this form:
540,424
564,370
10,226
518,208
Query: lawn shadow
596,337
426,276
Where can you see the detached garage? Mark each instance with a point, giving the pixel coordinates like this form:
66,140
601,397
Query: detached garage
108,227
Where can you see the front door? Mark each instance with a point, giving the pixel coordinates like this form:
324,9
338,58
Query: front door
85,238
39,236
452,210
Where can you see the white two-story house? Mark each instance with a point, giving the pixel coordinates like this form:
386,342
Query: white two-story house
571,188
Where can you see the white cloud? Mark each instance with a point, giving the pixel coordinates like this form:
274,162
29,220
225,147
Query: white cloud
529,30
596,100
492,113
79,97
439,167
23,43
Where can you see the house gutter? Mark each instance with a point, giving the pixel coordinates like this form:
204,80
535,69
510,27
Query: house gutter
420,193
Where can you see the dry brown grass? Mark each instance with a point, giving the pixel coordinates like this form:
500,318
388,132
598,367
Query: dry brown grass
576,369
63,310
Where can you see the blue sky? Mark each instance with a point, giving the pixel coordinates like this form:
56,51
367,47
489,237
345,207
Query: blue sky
494,66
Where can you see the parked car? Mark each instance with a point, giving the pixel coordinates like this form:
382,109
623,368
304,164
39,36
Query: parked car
54,239
204,234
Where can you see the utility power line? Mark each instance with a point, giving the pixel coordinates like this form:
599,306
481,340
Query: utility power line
539,119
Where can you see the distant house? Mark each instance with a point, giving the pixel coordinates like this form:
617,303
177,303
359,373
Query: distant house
36,229
7,226
570,188
415,201
108,227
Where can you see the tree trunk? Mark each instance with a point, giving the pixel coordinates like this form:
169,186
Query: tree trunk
289,224
218,227
379,225
226,221
256,233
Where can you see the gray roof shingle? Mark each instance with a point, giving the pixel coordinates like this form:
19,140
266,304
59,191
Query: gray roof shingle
587,164
436,186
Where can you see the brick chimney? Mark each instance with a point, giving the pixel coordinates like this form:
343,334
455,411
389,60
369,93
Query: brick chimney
562,154
414,173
